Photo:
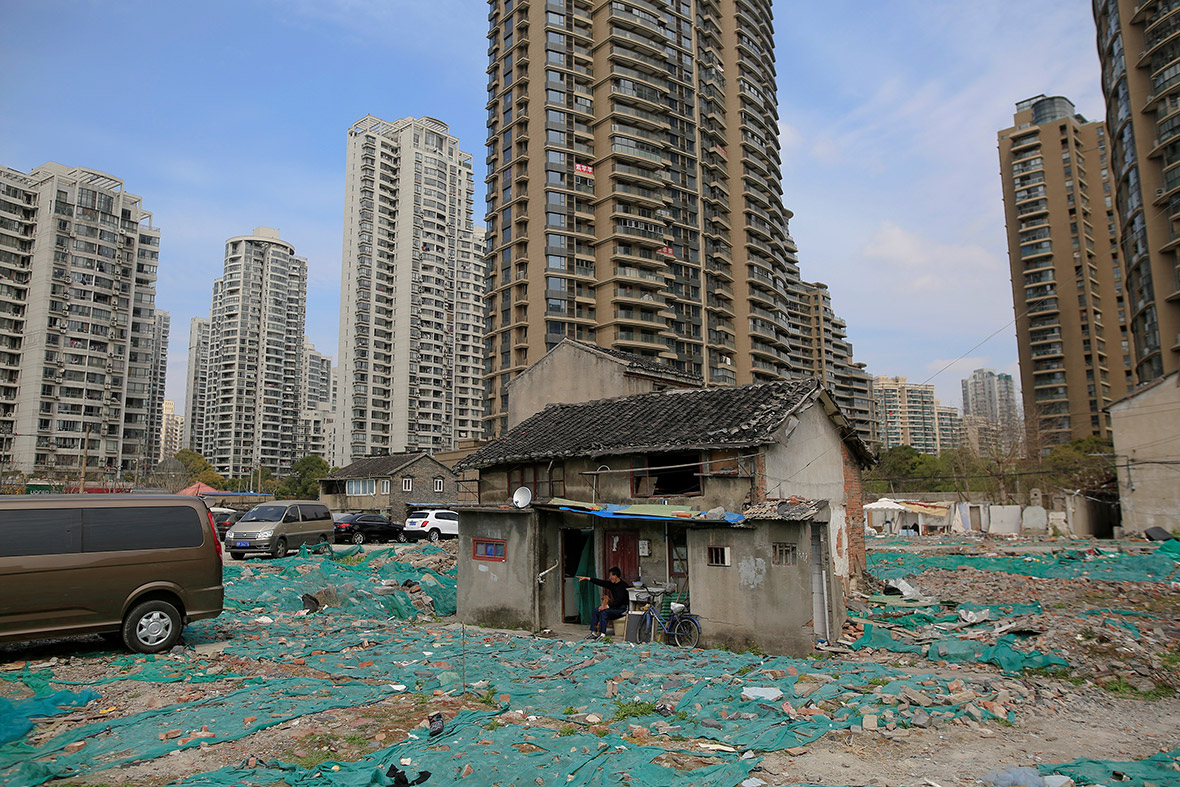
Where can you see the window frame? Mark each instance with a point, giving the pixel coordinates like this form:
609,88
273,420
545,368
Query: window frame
438,484
784,553
407,483
722,559
499,545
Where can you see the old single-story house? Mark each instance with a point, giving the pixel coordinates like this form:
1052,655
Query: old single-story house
391,485
747,498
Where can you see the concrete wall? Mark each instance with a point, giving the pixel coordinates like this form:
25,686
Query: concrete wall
1146,430
752,601
494,593
1004,520
569,373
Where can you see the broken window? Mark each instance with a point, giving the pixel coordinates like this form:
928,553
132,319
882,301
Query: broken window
544,481
718,556
784,554
666,475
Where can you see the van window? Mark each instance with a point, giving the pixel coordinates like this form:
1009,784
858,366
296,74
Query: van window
314,512
265,514
150,527
41,531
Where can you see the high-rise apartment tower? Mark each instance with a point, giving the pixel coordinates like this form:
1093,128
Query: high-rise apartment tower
990,396
411,294
908,414
633,187
1067,287
78,258
250,389
1137,48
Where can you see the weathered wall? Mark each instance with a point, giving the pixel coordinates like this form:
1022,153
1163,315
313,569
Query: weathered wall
494,593
1003,520
570,374
396,503
752,601
1146,430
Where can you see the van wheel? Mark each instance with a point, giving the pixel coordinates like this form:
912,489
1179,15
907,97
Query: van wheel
434,536
151,627
358,538
237,555
280,548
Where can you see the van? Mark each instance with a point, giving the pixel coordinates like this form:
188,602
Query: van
278,526
135,569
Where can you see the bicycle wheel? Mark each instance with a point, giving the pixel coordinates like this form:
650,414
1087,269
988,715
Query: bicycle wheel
643,633
686,632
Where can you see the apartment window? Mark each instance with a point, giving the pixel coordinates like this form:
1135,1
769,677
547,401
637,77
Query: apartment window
407,484
718,556
784,554
489,549
385,486
438,485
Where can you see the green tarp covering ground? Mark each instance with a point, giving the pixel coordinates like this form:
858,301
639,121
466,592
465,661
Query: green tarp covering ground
1158,566
1159,769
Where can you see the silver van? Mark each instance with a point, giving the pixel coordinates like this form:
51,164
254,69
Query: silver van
278,526
134,568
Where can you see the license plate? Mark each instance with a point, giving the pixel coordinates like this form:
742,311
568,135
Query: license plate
243,543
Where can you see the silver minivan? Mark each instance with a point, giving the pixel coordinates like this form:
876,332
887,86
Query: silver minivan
278,526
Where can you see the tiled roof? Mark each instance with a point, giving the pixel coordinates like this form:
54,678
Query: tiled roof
376,466
677,419
642,364
793,509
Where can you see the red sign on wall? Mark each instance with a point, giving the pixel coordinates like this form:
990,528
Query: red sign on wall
585,168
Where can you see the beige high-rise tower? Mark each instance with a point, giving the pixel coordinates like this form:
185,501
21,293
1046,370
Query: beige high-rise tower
1138,50
634,195
1067,282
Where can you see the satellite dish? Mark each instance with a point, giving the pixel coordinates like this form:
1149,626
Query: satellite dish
522,497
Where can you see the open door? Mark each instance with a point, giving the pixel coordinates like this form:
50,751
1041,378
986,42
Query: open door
577,556
820,603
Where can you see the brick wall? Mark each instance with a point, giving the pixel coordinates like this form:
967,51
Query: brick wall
854,515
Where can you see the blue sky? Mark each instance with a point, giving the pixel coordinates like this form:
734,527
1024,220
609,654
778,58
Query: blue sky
225,116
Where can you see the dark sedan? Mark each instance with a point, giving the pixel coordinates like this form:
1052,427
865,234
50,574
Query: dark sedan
223,519
359,528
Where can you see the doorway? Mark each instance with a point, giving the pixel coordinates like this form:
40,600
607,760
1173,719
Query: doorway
577,559
621,548
819,581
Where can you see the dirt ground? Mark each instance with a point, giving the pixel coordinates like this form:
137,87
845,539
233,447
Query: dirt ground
1057,717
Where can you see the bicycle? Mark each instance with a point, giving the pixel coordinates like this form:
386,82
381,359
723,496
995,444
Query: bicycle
681,629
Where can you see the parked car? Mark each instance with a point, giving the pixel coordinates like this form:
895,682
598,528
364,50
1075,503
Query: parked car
134,568
275,527
432,523
359,528
223,518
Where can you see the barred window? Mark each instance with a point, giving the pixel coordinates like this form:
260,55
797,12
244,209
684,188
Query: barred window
784,554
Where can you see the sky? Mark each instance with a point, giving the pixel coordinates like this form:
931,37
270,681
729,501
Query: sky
226,115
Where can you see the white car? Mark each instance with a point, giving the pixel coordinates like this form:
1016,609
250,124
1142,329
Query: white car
432,523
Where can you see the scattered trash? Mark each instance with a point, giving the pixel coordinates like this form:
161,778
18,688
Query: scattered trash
1014,776
436,724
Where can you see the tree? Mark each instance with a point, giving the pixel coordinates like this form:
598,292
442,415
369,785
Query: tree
199,470
304,481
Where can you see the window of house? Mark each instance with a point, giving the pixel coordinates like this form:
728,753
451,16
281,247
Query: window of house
407,485
385,486
718,556
666,475
543,480
678,553
361,486
784,554
438,485
489,549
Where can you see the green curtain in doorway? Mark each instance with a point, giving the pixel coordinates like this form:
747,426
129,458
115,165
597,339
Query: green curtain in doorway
588,594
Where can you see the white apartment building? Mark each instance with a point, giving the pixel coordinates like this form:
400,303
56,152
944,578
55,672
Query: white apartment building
171,431
906,414
412,292
158,383
251,350
78,337
197,383
315,434
990,396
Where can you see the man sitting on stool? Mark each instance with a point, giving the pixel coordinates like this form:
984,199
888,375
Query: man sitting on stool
617,606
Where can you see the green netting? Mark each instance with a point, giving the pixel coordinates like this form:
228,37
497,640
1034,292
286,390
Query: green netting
1170,548
1002,654
360,588
144,735
470,753
15,714
1158,769
1119,566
